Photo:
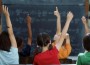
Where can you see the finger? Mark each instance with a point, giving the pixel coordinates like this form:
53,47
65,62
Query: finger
56,8
3,7
7,9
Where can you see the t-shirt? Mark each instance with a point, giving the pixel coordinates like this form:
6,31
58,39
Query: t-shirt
64,52
83,59
48,57
26,50
7,58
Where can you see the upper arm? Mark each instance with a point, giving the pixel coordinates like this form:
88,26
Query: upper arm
59,41
29,41
11,35
68,39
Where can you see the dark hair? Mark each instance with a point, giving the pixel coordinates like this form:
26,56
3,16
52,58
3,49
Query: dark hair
43,39
64,42
5,43
19,41
86,42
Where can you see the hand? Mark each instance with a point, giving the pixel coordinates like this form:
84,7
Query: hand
69,16
28,19
5,10
67,35
83,19
56,13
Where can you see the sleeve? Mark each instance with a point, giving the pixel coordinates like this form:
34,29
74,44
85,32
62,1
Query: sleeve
78,61
26,50
14,50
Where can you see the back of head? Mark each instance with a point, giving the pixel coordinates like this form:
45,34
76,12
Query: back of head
64,42
43,39
5,43
19,43
86,42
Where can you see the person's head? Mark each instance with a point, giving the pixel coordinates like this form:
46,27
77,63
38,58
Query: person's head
86,42
19,43
43,40
5,43
64,42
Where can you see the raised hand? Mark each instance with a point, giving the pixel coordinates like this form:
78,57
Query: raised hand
69,16
28,19
67,35
56,13
83,20
5,10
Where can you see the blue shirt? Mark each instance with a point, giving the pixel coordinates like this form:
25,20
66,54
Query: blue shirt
26,50
7,58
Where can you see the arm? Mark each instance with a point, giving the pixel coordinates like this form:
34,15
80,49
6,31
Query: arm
9,26
56,13
64,31
68,46
85,25
67,39
28,20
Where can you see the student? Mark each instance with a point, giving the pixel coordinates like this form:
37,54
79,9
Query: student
65,49
46,55
24,49
8,45
84,58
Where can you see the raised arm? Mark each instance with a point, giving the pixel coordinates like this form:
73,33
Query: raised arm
67,39
85,24
28,20
9,26
64,31
56,13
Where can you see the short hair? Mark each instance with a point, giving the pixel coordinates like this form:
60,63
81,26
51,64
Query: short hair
19,41
5,43
86,42
64,42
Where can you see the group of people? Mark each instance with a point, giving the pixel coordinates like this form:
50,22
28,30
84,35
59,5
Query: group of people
47,52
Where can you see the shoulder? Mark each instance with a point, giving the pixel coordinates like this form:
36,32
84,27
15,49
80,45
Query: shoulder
54,50
81,54
13,49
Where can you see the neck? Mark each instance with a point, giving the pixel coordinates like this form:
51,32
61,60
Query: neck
45,48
